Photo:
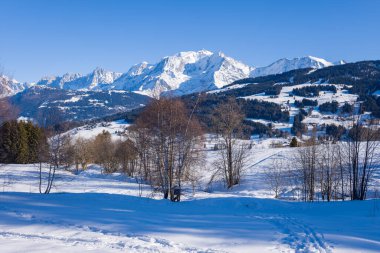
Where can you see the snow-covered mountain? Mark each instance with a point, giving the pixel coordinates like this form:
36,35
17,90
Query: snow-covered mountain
183,73
9,86
99,79
284,65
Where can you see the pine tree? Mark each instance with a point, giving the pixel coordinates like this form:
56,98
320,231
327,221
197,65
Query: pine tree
22,144
35,139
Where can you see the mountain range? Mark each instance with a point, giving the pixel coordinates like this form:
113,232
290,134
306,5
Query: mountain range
182,73
9,86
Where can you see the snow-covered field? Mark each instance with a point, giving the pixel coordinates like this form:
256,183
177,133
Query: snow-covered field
115,128
93,212
287,101
341,96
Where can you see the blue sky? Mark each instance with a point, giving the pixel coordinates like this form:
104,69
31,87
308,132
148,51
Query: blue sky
44,37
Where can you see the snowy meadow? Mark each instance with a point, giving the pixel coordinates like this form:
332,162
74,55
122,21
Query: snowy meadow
97,212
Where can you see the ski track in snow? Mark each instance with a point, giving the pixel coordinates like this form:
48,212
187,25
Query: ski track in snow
108,241
92,237
299,236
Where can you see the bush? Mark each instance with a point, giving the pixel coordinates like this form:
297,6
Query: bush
294,142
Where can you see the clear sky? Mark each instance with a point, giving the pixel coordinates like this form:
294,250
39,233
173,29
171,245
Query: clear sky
52,37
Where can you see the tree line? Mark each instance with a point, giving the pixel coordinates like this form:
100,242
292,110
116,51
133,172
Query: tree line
21,142
328,170
313,91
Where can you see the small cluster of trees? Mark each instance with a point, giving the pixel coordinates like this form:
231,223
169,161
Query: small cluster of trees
256,128
64,152
305,102
329,171
339,170
347,108
298,127
263,110
331,107
112,155
21,142
371,104
336,132
313,91
167,139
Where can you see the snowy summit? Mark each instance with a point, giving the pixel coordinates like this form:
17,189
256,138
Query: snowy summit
179,74
284,65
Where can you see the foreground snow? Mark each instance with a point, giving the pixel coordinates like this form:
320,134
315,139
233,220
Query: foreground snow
93,212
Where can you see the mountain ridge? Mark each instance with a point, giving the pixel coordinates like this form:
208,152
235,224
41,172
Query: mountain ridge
179,74
10,87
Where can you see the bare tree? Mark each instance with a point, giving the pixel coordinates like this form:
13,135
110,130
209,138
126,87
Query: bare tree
307,158
228,119
58,157
126,154
361,157
275,175
83,153
170,134
328,170
141,138
338,170
103,149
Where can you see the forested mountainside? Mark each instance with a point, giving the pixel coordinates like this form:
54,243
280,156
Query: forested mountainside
361,79
49,106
